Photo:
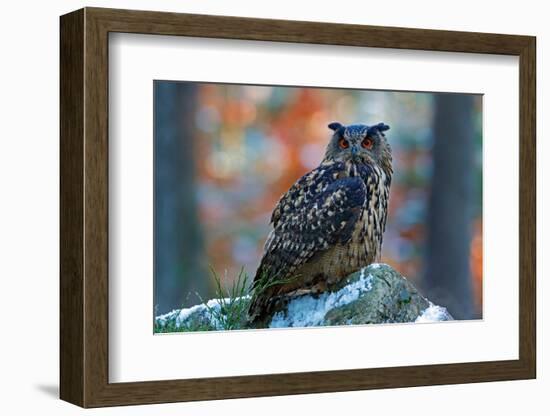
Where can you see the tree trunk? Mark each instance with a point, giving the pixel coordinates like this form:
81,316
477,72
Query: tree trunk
178,241
448,277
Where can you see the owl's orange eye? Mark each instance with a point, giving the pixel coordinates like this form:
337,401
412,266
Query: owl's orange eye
367,143
343,143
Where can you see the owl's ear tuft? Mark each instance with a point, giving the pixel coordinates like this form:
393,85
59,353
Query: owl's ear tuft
335,126
380,127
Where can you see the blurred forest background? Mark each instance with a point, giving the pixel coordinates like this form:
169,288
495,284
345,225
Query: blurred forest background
224,154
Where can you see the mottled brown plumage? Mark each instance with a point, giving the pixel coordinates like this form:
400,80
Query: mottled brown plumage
330,223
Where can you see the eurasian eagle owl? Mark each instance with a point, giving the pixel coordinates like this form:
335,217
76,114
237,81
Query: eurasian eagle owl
330,222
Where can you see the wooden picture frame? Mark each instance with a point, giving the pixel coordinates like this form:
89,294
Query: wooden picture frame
84,207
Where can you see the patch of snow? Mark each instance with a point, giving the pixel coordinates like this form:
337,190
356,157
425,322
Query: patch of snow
162,319
310,311
434,313
186,313
208,311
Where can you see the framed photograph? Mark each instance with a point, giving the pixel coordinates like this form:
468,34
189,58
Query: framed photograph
255,207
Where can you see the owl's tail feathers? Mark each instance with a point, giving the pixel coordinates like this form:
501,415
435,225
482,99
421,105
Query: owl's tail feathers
260,296
264,298
258,310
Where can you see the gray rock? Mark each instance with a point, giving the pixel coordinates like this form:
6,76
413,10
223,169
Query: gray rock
374,295
392,298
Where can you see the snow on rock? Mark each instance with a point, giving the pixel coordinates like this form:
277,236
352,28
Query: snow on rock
373,295
434,313
206,316
170,316
377,294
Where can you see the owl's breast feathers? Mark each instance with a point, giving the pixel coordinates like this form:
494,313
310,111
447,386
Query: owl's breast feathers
327,225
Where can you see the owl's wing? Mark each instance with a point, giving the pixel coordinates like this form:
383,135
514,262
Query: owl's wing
318,211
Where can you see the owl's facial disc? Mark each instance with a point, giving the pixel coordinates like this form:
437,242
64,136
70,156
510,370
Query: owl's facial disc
353,148
359,143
